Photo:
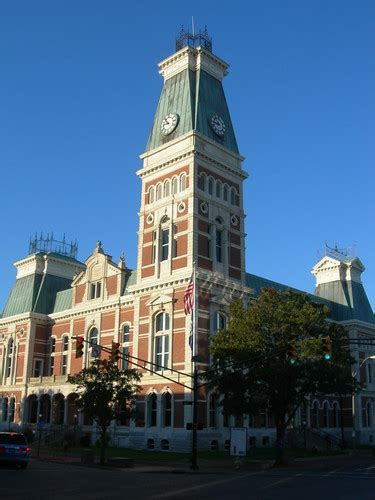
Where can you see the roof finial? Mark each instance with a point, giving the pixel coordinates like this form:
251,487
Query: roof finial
121,263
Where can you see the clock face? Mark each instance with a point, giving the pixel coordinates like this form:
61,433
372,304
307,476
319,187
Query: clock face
217,125
169,123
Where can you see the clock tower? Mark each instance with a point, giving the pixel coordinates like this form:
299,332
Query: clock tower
191,207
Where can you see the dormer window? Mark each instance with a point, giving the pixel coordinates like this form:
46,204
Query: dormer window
95,290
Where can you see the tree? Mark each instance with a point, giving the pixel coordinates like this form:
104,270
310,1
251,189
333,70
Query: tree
103,391
270,358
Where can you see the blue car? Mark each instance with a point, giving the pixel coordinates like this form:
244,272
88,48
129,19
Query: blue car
14,449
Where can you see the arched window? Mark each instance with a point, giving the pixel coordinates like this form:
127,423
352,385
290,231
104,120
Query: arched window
161,343
210,185
52,350
315,414
219,244
151,194
220,321
158,192
225,192
167,410
218,189
368,414
164,238
9,358
12,408
5,409
152,406
325,414
167,188
182,182
125,333
93,341
212,410
335,414
174,185
202,179
64,354
233,196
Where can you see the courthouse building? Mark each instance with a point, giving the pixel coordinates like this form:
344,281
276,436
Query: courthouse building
191,211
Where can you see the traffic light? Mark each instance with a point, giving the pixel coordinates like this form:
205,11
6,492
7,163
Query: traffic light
115,352
291,354
327,348
79,347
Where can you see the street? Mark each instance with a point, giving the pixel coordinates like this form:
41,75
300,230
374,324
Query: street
346,478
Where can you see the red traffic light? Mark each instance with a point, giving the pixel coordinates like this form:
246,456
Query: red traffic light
79,347
115,352
291,354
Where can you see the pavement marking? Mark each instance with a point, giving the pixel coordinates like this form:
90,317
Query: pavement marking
333,471
205,485
279,482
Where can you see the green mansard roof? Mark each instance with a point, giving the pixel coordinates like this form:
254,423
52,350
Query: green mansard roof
356,308
195,96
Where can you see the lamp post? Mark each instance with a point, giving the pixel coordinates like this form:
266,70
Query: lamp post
354,375
40,427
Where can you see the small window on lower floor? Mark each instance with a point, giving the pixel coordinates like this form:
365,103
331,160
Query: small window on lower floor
38,368
150,444
214,445
164,444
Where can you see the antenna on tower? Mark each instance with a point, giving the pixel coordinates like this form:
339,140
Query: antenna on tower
192,25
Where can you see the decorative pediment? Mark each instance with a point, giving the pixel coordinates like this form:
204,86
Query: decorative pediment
159,301
220,300
326,263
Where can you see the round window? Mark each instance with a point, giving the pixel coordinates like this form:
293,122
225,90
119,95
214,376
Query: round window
150,219
204,207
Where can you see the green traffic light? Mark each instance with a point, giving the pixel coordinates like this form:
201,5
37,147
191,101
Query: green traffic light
292,361
327,356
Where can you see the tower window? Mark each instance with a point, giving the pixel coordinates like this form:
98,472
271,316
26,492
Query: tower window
218,189
167,188
174,185
182,182
158,192
151,195
164,244
225,192
233,196
219,245
210,185
202,181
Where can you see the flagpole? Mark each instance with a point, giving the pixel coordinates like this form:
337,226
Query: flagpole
194,438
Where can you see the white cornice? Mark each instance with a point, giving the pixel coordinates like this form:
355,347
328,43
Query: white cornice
193,150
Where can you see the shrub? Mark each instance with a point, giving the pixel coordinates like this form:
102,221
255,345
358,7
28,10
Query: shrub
85,440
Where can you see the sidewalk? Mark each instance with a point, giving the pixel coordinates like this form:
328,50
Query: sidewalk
208,466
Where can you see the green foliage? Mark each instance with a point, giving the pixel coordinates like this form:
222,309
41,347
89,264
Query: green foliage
251,365
104,391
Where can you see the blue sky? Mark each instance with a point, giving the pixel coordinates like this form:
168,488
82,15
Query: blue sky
79,87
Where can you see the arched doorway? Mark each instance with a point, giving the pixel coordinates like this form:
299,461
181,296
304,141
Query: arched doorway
32,409
45,408
58,409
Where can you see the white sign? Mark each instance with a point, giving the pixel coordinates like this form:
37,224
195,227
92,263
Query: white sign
238,437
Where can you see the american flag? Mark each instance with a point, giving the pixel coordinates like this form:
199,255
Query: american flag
189,297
